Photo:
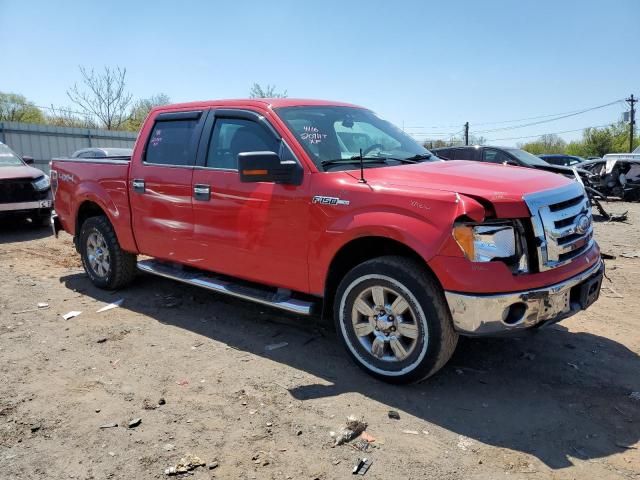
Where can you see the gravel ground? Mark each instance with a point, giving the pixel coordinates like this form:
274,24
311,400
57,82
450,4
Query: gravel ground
555,404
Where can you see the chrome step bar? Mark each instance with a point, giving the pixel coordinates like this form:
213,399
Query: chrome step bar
278,299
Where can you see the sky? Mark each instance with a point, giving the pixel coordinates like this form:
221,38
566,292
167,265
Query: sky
426,66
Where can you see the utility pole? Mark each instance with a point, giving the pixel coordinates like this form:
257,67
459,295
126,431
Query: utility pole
466,131
632,120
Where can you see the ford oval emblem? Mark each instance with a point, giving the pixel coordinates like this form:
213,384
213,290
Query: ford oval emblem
583,223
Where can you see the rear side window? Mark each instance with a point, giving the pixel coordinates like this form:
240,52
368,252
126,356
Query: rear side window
465,154
444,153
232,136
172,143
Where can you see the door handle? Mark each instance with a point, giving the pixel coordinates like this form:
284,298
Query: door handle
138,185
201,192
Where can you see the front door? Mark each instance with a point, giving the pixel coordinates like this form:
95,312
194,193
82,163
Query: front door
256,231
160,188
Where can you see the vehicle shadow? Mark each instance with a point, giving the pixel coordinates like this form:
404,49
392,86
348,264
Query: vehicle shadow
554,394
21,230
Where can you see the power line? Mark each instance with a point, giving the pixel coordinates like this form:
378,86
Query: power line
559,115
514,127
551,133
572,112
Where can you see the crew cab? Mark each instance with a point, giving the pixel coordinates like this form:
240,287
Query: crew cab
313,206
24,190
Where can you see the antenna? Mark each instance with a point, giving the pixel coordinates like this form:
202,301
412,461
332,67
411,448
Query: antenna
362,180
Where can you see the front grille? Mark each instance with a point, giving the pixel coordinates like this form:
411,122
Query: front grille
562,224
19,190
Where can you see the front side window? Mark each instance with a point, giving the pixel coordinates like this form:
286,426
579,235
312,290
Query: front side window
172,143
526,158
333,135
232,136
496,156
8,158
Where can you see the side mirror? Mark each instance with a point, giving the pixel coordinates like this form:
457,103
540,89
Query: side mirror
267,167
28,160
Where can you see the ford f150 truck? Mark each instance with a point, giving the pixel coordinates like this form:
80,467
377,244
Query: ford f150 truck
24,190
301,204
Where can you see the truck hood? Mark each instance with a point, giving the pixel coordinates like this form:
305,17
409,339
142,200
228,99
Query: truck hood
501,185
23,171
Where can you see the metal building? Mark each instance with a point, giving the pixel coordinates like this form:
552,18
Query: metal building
44,142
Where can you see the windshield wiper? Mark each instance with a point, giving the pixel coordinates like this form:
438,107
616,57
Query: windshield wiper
420,156
357,158
354,159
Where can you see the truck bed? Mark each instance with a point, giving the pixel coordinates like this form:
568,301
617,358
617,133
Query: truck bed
74,180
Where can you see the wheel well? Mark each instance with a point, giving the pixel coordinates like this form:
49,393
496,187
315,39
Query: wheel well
87,210
356,252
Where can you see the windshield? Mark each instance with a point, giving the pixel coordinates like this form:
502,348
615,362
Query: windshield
637,150
8,158
332,136
527,158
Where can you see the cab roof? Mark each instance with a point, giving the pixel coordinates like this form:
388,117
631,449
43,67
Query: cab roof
257,102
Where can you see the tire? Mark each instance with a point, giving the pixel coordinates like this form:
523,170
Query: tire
108,266
411,343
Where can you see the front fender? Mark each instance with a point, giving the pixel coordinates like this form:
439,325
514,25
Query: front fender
425,229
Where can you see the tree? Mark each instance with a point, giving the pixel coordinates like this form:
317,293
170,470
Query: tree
16,108
576,148
477,140
597,141
548,143
104,96
268,92
141,109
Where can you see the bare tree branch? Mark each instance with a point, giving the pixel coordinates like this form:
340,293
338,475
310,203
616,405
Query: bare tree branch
268,92
103,96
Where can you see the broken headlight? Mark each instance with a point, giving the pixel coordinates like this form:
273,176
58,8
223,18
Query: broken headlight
487,242
42,183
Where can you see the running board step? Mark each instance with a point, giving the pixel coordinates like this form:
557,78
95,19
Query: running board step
281,299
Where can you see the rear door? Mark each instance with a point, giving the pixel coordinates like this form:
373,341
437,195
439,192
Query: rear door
160,186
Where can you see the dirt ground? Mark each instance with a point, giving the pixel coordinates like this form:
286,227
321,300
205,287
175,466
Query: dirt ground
555,404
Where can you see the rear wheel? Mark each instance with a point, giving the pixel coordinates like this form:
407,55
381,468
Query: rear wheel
107,265
393,320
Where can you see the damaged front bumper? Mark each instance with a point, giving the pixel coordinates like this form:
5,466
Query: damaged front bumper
494,314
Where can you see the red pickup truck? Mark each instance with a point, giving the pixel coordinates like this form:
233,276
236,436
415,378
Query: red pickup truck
300,204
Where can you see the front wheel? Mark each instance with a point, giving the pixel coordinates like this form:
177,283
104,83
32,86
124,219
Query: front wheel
393,320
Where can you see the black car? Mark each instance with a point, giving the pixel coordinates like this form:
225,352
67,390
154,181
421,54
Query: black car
515,156
564,160
504,155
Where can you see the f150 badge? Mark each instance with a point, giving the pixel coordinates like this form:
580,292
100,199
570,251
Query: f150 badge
329,200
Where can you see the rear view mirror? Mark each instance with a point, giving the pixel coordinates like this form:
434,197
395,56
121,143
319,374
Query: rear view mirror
28,160
267,167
